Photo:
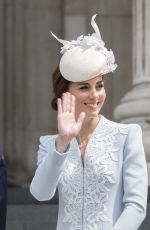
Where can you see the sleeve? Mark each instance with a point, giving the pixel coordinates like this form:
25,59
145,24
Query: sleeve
135,182
49,167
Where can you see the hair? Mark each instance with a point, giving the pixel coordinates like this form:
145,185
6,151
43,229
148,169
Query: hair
60,86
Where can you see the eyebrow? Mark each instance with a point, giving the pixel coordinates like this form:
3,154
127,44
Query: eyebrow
86,83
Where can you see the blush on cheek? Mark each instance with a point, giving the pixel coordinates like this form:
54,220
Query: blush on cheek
101,100
103,97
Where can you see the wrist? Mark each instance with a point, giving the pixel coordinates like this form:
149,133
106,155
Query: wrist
62,143
64,138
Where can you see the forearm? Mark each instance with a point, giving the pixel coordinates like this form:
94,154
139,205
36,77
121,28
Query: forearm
131,218
45,180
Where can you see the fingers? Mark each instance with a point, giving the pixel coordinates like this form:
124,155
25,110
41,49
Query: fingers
72,107
64,102
59,106
67,103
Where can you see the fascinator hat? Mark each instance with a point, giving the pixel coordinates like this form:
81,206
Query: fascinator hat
86,57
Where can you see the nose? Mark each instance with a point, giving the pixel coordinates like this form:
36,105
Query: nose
93,93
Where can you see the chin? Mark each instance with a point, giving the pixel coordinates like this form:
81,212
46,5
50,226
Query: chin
92,115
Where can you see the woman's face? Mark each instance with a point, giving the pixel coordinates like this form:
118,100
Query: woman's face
90,96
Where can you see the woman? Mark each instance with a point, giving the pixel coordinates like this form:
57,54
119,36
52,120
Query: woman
97,165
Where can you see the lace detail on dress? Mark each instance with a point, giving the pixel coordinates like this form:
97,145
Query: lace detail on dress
100,170
85,190
71,182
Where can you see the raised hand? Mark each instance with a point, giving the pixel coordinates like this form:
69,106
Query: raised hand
68,126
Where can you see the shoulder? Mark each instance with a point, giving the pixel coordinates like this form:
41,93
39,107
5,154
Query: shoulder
120,128
131,126
46,143
46,139
134,127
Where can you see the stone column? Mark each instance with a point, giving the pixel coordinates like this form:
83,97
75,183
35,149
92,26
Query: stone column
1,72
135,105
30,55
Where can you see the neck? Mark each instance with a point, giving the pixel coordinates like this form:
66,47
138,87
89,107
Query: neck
88,127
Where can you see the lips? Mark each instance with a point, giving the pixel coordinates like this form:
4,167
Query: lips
92,105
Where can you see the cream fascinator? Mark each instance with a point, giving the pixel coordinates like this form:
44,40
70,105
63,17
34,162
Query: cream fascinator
86,57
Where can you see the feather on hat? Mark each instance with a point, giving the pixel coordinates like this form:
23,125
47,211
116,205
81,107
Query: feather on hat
86,57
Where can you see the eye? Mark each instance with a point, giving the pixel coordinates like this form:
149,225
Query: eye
83,87
99,86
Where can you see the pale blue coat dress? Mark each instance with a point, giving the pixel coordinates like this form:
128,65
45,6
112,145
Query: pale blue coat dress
108,191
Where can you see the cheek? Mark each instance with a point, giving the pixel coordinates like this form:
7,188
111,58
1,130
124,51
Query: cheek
80,100
80,96
75,92
102,95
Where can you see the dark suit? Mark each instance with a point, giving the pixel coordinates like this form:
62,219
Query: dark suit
3,192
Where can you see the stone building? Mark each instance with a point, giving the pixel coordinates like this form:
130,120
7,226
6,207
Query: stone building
28,57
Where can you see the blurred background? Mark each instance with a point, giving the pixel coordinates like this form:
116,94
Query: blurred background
29,55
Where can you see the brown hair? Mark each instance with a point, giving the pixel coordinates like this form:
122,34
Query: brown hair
60,86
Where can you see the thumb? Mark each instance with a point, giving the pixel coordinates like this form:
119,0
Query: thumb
81,118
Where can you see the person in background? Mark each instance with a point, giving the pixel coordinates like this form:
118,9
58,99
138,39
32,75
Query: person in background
3,192
98,165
